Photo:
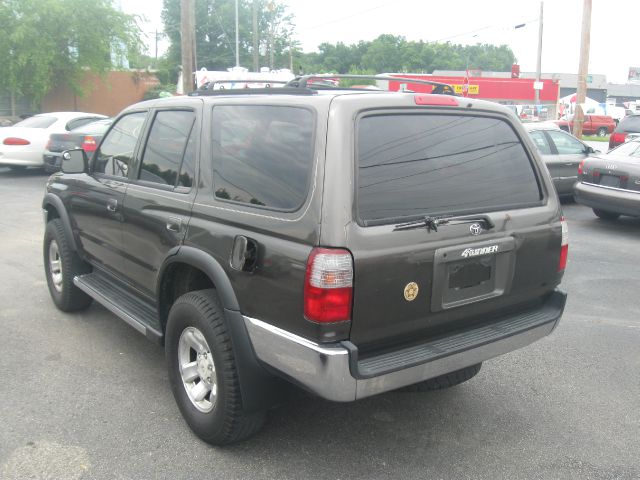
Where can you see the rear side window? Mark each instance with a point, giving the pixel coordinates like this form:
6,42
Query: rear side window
36,122
262,155
411,165
167,145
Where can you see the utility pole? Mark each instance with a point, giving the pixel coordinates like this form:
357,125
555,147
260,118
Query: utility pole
583,69
256,58
237,38
187,39
539,61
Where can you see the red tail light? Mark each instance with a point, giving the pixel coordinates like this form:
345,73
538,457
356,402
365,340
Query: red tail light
564,248
580,167
328,286
89,144
16,141
435,100
616,139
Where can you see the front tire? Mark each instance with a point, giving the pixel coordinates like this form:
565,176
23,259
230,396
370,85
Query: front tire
62,264
602,131
605,215
203,373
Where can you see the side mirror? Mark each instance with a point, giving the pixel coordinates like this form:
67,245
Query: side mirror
75,161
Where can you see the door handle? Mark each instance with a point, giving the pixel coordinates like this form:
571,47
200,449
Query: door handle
112,205
174,224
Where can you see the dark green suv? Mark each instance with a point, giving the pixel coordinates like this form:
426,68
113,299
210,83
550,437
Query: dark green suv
348,242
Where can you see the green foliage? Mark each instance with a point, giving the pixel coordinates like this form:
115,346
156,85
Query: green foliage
215,33
45,43
390,53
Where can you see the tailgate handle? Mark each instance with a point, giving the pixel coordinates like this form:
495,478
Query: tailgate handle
244,254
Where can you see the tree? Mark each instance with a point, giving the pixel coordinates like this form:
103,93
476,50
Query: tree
215,33
45,43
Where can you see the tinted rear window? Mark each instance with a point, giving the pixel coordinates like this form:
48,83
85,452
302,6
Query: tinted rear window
414,165
629,124
262,155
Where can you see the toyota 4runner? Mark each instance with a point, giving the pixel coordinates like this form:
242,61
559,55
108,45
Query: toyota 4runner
348,242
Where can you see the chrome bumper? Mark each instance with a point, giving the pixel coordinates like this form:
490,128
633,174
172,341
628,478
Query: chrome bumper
326,370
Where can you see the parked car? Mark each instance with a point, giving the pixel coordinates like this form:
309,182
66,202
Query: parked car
600,125
610,184
86,137
561,153
348,242
627,129
22,144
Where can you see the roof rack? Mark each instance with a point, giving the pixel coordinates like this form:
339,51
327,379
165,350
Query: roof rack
212,84
304,85
303,82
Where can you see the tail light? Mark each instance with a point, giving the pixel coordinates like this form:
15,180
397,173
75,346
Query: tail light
16,141
48,145
564,249
89,144
617,138
328,286
581,167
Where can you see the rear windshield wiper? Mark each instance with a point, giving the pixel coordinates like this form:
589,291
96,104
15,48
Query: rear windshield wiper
432,223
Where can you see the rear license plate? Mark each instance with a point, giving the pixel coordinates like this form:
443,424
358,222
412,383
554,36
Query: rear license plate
610,181
470,274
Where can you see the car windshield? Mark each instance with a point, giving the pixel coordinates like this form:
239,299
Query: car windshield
39,121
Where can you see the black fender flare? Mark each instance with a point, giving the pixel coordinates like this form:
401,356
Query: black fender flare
56,202
260,390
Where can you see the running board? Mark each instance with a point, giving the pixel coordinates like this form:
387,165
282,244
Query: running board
140,314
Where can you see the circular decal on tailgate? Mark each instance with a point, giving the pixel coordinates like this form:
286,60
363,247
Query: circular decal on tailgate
411,291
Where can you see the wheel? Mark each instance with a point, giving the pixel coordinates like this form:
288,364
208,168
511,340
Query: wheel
605,215
62,264
445,381
202,371
602,131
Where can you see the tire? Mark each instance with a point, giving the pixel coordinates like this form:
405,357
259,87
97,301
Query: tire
61,265
197,336
445,381
605,215
602,131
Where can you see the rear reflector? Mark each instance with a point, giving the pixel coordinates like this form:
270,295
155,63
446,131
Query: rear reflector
442,100
564,249
16,141
328,286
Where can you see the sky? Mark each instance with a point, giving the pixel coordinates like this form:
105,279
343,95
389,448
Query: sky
613,47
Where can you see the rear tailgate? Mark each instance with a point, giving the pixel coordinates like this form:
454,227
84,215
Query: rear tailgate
59,142
499,252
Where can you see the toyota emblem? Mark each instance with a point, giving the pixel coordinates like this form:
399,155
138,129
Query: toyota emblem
475,229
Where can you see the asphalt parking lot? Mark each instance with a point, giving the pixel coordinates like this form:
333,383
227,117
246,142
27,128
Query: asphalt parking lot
84,396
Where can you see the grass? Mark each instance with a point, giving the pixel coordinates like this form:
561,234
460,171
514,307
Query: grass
595,138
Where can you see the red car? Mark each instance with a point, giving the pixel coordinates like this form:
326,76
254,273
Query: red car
600,125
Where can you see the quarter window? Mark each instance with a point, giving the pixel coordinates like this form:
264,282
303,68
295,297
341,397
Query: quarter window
541,142
116,151
166,146
262,155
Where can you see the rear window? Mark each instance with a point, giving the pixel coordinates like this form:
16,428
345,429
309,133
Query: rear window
36,122
629,124
262,155
411,165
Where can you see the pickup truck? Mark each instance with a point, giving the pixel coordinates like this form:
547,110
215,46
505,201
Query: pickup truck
600,125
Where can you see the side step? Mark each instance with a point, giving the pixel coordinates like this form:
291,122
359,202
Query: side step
140,314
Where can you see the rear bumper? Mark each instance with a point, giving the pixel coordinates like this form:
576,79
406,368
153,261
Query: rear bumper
336,373
610,199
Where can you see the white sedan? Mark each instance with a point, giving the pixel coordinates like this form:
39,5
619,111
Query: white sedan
22,144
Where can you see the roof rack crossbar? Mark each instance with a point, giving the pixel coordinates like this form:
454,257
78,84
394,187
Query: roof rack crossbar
303,80
254,91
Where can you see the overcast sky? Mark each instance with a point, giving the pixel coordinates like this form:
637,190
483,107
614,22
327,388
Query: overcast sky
614,43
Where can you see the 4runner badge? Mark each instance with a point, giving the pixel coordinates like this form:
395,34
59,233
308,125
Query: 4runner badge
474,252
411,291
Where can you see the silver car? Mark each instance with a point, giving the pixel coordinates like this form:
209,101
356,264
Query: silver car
561,152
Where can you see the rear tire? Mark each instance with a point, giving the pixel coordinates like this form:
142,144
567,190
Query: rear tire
445,381
61,265
202,371
602,131
605,215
